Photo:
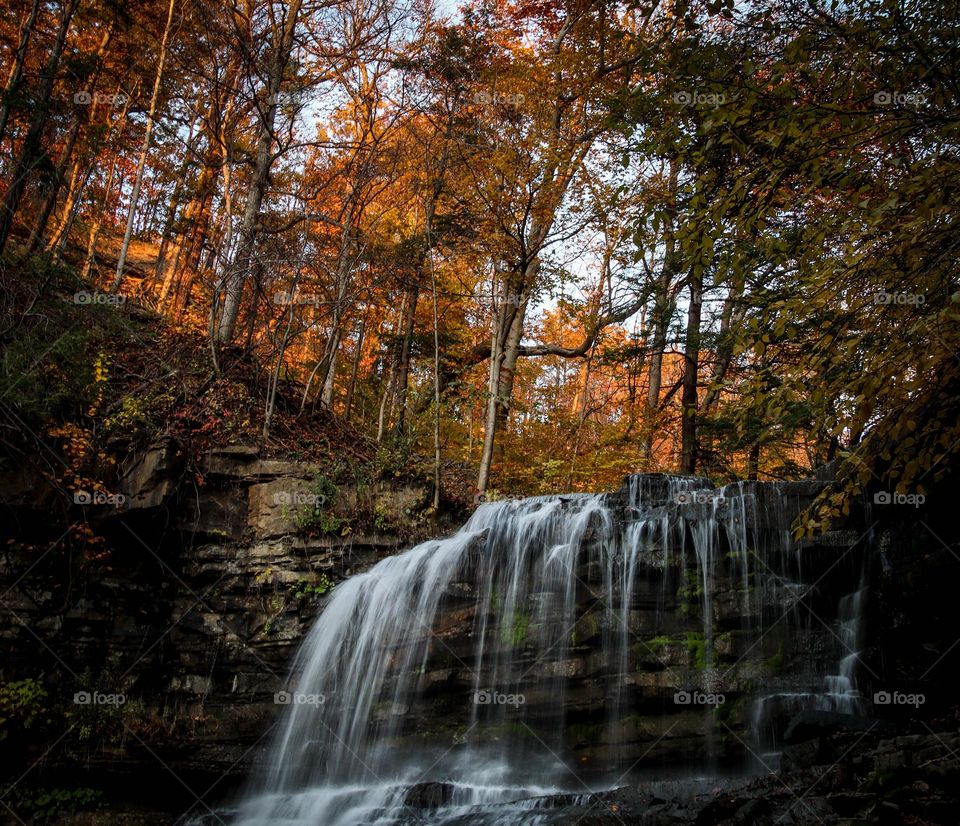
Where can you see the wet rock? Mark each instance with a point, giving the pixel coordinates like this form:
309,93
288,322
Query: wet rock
811,723
428,796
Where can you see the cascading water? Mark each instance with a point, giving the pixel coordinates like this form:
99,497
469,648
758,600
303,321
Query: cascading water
521,657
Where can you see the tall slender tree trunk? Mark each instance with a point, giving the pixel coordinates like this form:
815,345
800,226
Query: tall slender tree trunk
59,237
66,156
16,71
504,344
196,217
731,317
238,272
406,347
98,222
384,416
32,150
691,366
660,317
144,150
354,370
170,217
344,268
493,391
753,461
437,456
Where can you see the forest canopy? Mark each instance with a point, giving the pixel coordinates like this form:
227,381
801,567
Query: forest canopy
548,242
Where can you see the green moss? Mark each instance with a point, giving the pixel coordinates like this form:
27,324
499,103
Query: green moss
515,633
697,647
726,711
690,592
775,663
589,733
585,628
692,586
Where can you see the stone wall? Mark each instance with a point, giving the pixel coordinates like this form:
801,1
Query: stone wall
209,584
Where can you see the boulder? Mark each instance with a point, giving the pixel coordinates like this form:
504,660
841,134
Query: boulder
429,796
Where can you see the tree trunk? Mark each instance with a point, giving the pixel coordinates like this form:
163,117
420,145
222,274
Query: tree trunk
753,462
98,221
16,72
355,369
493,391
144,150
169,221
237,274
32,151
503,334
406,345
59,237
66,156
384,416
660,317
731,317
691,366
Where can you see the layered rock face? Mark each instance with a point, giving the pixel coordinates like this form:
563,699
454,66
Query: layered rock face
569,638
212,581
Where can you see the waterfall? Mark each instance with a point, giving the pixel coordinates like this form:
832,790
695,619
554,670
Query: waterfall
522,656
